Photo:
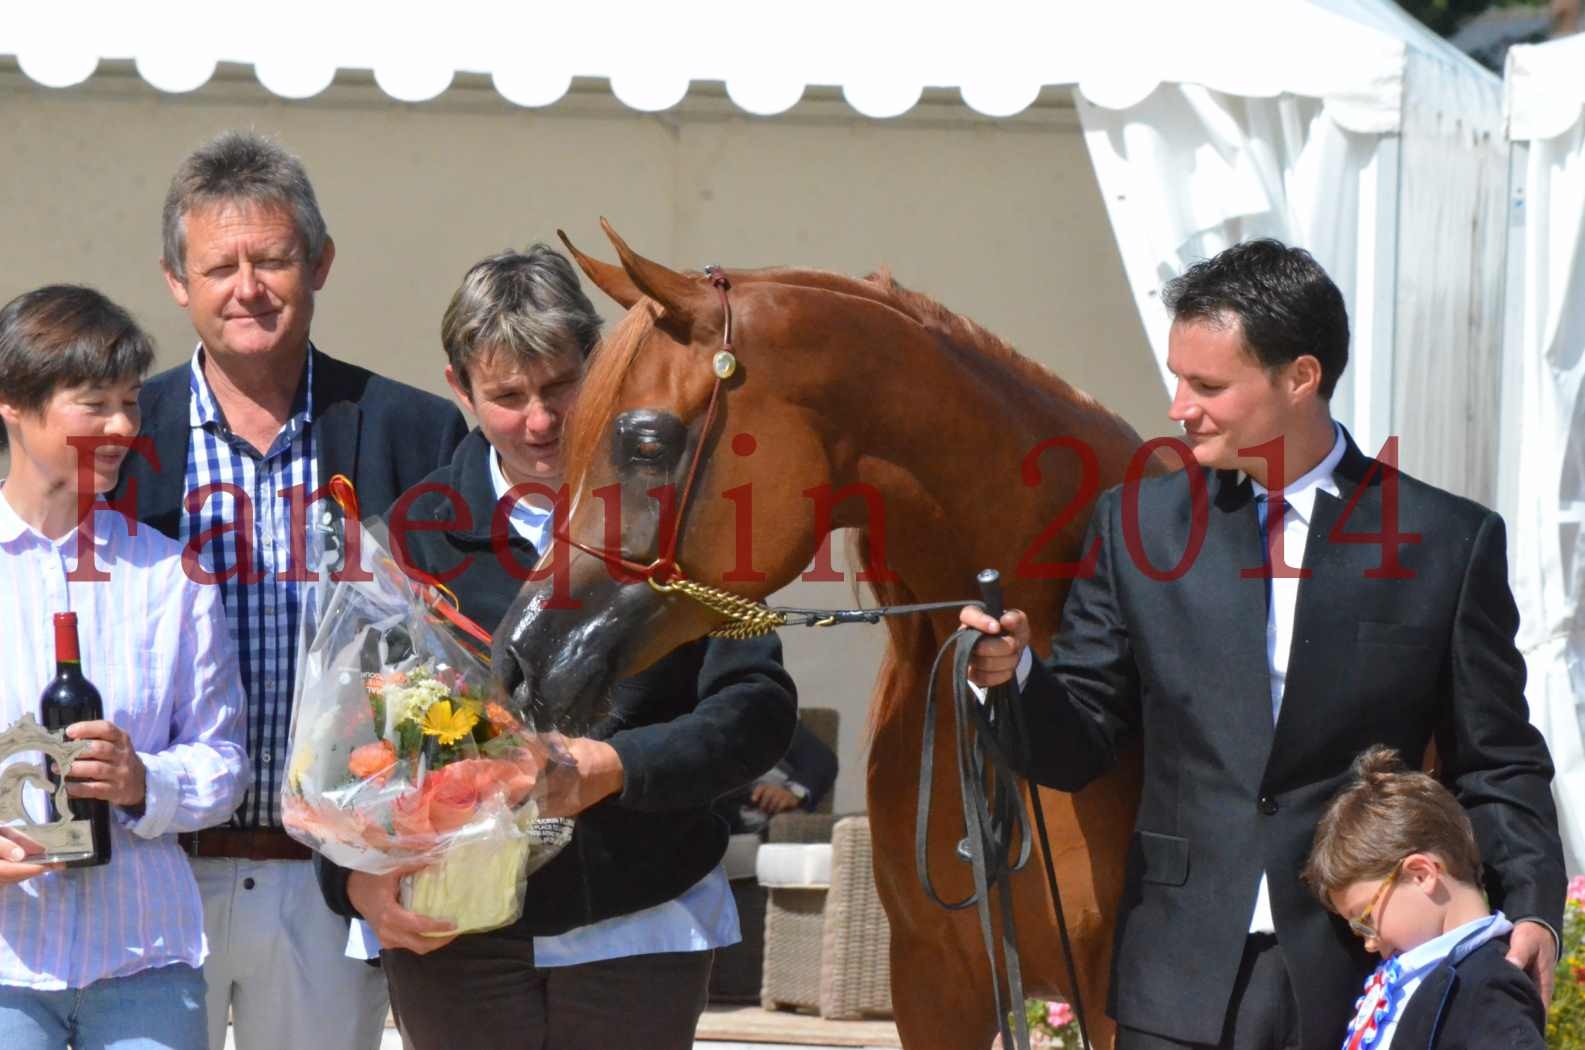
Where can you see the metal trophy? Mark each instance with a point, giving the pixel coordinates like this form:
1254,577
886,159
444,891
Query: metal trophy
65,838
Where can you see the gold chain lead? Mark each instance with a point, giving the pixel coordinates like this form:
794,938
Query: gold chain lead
748,619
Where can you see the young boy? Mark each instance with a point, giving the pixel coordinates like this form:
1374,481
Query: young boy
108,955
1395,856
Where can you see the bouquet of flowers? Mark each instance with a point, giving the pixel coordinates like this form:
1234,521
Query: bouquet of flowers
1565,1021
403,754
1052,1026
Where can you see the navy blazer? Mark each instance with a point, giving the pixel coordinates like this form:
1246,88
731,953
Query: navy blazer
382,434
1177,667
1483,1002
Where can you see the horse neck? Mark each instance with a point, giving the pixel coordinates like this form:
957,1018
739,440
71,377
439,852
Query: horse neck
946,455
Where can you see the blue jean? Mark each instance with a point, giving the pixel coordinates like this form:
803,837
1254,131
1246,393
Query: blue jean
158,1009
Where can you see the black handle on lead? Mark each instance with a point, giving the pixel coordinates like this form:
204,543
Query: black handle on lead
990,582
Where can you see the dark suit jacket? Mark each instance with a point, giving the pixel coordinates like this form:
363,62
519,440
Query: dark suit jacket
382,434
1179,667
711,716
1482,1003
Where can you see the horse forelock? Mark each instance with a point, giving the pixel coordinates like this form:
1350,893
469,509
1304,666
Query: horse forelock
600,389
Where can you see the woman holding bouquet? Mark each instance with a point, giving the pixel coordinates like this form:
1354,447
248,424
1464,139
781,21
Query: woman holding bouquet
623,923
105,955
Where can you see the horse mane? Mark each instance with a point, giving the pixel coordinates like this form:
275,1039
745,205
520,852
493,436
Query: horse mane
913,640
963,333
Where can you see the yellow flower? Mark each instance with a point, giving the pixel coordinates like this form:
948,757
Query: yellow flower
447,723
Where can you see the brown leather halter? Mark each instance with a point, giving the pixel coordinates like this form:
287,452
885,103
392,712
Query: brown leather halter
664,570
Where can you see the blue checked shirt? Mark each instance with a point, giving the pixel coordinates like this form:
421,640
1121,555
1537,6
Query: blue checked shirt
238,516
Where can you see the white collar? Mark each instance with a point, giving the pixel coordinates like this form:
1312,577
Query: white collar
12,526
528,519
1458,942
1300,494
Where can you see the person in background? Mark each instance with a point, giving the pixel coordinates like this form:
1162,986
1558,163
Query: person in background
620,928
105,955
800,780
247,433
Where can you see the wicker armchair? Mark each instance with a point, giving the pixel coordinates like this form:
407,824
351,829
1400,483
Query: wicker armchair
828,947
737,974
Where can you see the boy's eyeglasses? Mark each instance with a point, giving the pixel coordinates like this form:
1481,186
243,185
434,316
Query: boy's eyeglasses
1365,924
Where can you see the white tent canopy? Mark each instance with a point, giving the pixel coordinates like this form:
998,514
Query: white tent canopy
1546,121
881,54
1207,122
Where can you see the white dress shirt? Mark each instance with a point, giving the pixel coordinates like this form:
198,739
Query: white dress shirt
156,646
1300,499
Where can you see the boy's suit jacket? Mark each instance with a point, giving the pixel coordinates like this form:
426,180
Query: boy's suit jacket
1481,1003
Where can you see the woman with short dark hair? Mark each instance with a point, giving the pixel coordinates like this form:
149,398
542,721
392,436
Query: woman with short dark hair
110,954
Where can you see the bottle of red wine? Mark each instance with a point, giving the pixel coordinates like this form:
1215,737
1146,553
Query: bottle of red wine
72,698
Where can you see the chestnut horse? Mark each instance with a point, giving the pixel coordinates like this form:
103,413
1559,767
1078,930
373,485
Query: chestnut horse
865,386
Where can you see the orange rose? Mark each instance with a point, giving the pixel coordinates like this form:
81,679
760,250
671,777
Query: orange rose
503,720
321,823
372,760
410,815
455,798
513,779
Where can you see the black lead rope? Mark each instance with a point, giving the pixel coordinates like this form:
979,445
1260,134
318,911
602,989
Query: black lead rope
989,822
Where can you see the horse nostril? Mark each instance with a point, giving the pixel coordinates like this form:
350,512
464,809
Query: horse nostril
509,673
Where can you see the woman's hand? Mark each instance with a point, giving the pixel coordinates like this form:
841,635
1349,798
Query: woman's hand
596,774
109,768
375,897
15,847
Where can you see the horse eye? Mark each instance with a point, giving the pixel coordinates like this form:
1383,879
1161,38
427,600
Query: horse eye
649,439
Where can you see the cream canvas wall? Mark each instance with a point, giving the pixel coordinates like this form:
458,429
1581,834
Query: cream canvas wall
1000,220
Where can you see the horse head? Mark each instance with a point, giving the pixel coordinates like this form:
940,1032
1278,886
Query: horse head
661,487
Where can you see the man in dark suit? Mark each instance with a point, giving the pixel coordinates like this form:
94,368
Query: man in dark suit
1252,663
246,436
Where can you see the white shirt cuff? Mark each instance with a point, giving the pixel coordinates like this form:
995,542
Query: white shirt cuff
161,792
1026,663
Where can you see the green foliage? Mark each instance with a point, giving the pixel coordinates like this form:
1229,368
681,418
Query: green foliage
1565,1021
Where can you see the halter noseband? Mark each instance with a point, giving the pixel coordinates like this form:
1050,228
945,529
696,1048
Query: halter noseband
746,618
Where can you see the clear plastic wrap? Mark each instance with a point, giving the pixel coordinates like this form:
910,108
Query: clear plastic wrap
404,752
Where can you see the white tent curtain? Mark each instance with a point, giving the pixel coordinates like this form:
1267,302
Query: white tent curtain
1189,170
1452,239
1546,119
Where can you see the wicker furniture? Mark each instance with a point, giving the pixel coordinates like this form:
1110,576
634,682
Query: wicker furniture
828,947
736,976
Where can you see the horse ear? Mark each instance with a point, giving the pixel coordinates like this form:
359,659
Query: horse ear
612,280
673,291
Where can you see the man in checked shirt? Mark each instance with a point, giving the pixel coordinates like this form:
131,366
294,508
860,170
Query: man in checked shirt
256,419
